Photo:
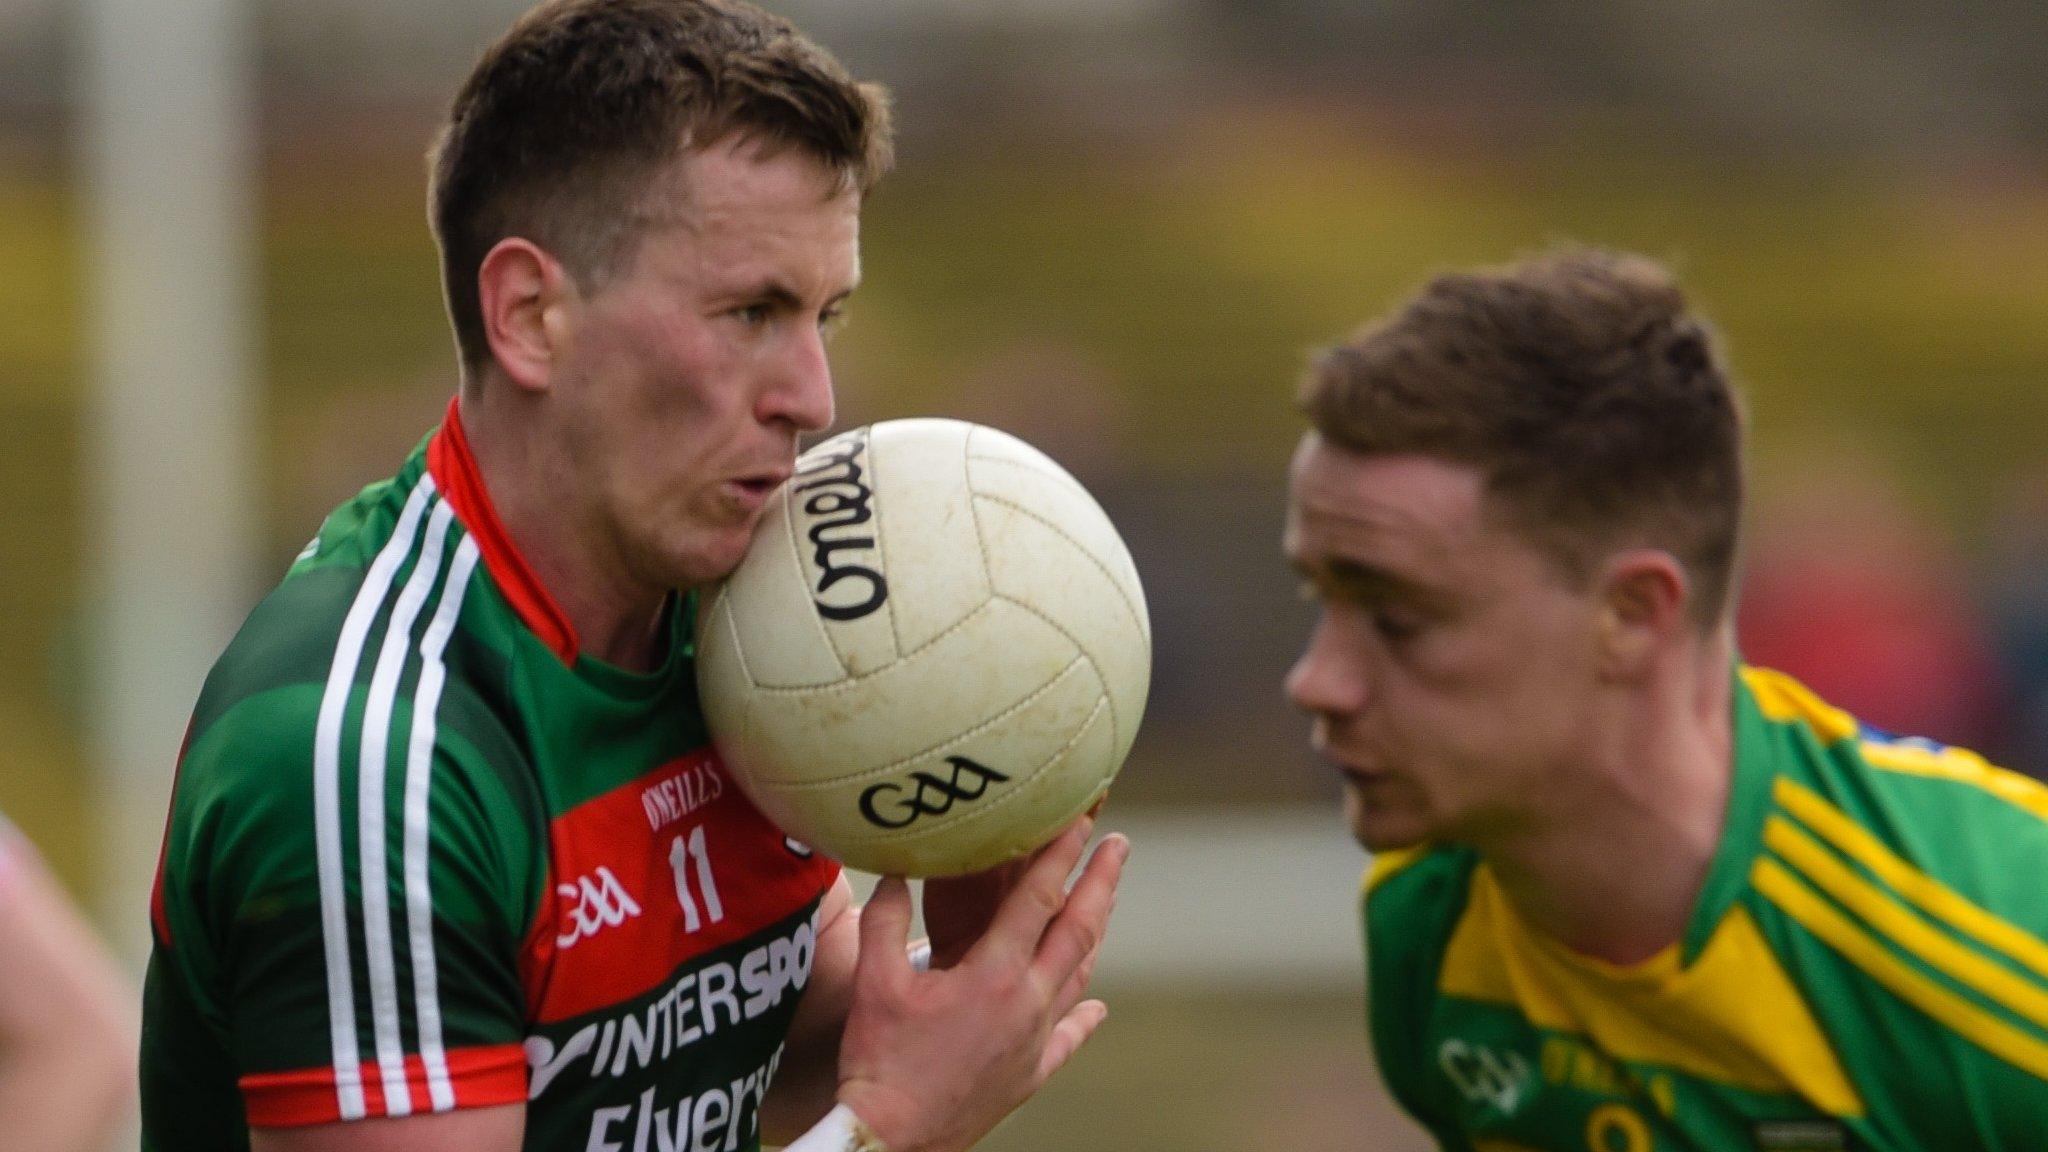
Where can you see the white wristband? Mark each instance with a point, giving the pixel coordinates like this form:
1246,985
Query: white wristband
839,1131
921,956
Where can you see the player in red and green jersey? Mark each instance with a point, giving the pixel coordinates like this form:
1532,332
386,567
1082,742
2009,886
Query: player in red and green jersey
423,857
450,861
1630,896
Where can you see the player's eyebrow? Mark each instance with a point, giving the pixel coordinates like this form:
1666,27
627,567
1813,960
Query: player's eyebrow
774,293
783,297
1357,577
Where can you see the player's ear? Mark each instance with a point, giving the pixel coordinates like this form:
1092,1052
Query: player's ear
526,297
1644,596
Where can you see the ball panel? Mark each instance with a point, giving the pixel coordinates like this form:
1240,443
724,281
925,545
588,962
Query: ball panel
928,536
1034,565
723,685
1059,502
985,443
769,589
981,820
996,657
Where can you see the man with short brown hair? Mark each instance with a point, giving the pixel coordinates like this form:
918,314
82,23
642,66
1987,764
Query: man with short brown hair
1629,894
451,861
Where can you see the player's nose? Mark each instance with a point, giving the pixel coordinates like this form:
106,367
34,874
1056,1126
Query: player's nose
1326,679
801,390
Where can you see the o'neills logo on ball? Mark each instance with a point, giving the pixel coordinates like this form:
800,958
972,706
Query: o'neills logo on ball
892,805
835,501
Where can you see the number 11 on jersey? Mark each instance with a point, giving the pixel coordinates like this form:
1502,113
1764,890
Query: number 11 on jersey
680,855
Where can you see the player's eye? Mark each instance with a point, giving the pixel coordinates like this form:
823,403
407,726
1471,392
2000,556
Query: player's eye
752,315
831,320
1396,626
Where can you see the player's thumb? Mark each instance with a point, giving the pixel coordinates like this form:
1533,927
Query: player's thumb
885,928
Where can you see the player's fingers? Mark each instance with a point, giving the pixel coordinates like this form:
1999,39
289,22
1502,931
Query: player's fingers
1037,898
1069,1034
1078,930
1077,984
885,930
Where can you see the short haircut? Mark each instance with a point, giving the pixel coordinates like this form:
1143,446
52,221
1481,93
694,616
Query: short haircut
560,132
1578,383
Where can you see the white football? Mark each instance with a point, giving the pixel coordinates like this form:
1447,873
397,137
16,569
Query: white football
935,654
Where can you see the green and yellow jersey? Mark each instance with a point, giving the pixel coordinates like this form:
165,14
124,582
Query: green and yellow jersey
1865,969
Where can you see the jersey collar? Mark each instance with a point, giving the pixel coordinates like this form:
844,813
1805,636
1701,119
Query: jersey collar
454,469
1749,802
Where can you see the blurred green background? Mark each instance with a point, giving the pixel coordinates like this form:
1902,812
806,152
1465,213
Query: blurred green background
1116,229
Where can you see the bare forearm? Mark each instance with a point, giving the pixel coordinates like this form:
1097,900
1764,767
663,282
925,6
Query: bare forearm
64,1097
806,1087
807,1081
67,1020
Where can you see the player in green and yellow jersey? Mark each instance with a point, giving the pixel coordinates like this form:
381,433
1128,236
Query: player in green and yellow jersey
1629,895
451,863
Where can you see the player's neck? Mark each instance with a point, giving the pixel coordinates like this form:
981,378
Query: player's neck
1614,863
617,619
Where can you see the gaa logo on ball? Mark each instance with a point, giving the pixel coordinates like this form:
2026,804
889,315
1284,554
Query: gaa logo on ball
935,654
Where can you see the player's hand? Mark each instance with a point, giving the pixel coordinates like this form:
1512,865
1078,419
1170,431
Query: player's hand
959,909
931,1061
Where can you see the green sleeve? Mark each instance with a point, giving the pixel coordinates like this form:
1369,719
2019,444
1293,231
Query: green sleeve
357,954
1939,857
1408,917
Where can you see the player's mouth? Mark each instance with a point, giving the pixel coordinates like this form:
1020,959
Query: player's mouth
751,491
1357,773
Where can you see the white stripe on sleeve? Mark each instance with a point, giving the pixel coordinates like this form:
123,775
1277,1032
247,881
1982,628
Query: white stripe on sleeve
341,674
372,803
419,762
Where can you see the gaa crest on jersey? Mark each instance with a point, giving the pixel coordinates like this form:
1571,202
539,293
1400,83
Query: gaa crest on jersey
596,902
1496,1079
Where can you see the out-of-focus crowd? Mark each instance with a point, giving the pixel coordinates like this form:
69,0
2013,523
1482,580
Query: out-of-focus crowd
1853,591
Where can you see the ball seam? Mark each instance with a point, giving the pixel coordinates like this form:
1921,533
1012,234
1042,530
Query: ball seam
1123,597
1116,729
951,741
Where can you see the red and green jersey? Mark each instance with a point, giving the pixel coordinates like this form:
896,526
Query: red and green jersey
1865,969
421,856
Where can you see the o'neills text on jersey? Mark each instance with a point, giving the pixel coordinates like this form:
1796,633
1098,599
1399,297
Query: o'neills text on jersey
676,795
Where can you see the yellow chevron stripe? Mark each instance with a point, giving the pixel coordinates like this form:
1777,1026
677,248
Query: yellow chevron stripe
1924,891
1779,697
1959,764
1905,929
1385,864
1866,952
1733,1016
